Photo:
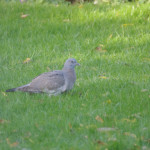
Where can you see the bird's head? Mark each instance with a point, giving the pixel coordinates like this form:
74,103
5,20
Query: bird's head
71,63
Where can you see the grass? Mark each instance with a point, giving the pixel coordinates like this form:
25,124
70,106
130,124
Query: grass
113,82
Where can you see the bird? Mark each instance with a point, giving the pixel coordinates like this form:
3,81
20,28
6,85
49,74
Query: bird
54,82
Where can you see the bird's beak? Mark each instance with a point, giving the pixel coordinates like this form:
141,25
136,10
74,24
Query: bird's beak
77,64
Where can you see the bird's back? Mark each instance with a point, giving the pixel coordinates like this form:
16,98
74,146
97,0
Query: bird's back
48,81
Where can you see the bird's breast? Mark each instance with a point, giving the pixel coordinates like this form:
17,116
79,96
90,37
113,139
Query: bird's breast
70,78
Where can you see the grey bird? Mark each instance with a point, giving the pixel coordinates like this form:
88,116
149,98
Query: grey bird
54,82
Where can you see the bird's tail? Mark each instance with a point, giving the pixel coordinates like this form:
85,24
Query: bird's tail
11,90
21,88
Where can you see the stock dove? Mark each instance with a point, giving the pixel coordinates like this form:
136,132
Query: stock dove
54,82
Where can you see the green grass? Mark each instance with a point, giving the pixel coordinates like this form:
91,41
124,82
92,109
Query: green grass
50,35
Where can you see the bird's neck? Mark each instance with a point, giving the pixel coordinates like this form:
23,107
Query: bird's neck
66,68
70,71
70,77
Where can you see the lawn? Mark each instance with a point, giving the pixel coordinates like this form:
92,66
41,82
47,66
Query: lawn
109,106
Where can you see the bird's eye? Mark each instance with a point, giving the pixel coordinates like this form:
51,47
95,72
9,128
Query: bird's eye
72,61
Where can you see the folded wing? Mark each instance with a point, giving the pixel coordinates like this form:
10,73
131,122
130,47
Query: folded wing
48,81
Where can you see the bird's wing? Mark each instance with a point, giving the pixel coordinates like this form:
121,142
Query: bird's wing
49,81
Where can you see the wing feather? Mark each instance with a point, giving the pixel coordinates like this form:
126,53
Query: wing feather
49,81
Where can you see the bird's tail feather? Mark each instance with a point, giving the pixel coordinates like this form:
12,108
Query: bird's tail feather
21,88
11,90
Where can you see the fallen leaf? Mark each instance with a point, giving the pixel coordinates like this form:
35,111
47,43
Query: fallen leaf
144,90
144,128
99,48
142,138
31,140
27,135
25,149
100,142
70,126
94,68
11,144
23,1
124,25
24,15
129,120
144,148
81,125
106,129
106,94
86,137
14,131
147,59
80,6
92,126
40,101
103,77
95,2
137,115
3,121
27,60
77,84
105,1
132,47
98,118
37,125
110,36
101,45
4,93
108,101
148,140
137,147
48,69
83,105
14,144
66,20
112,139
145,140
117,14
130,134
104,51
